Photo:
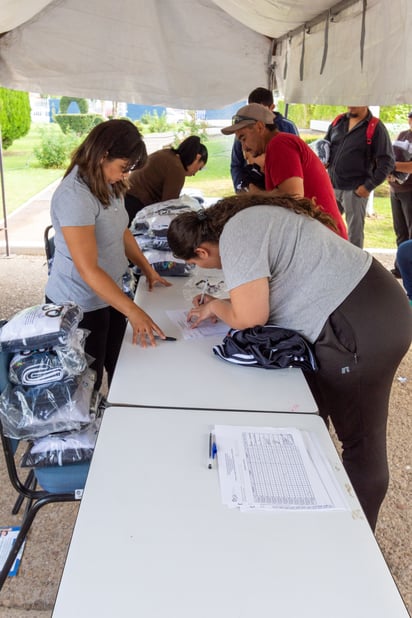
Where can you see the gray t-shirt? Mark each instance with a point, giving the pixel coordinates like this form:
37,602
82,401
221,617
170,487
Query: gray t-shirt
73,204
311,270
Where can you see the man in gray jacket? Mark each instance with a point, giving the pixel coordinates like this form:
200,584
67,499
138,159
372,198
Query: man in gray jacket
358,163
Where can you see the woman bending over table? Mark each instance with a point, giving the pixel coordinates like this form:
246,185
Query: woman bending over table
283,265
164,174
93,243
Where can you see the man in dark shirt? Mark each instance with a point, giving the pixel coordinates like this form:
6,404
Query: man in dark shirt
355,167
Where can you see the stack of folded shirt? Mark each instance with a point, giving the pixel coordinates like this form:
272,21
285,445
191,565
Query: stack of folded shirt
150,227
50,386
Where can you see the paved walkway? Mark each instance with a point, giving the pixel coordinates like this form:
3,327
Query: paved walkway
26,225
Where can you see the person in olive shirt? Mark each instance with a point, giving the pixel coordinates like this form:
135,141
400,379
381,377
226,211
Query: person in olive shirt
163,175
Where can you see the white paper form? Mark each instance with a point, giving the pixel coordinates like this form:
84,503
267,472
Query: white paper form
274,468
205,329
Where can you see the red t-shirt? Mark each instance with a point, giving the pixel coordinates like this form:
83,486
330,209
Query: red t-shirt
289,156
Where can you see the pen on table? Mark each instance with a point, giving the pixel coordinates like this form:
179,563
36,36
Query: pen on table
202,295
212,450
166,338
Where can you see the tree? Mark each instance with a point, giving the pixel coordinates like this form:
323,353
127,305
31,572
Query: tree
14,115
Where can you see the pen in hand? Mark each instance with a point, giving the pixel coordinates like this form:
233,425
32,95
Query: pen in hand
202,295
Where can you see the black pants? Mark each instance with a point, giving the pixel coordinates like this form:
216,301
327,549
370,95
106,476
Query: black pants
401,205
132,205
107,327
358,351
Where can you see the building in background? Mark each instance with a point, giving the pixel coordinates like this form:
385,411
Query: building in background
44,108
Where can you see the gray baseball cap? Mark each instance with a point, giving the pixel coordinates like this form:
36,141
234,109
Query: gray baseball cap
249,114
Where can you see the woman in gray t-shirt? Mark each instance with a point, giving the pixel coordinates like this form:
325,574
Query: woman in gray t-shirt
93,243
283,266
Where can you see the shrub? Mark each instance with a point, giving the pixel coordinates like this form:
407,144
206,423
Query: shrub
191,126
153,123
14,115
55,148
78,123
65,103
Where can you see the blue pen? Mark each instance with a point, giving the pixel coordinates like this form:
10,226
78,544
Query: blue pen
210,451
214,450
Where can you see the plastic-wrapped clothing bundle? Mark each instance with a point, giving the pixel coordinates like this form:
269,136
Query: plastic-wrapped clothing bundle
35,412
403,152
40,326
34,367
321,147
69,447
150,227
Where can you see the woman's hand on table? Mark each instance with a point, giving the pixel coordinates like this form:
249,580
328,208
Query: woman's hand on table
153,278
144,328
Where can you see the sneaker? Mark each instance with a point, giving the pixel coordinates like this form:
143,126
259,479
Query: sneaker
396,273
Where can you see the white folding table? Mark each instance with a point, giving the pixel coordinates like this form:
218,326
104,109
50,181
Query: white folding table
153,539
187,374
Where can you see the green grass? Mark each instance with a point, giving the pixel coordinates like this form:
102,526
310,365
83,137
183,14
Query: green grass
378,227
24,178
215,180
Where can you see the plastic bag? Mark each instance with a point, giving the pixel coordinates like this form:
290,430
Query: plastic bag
155,218
37,411
37,367
403,152
150,227
40,326
64,448
321,147
166,264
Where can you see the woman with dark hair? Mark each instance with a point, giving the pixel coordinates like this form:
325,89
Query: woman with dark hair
164,173
93,243
283,266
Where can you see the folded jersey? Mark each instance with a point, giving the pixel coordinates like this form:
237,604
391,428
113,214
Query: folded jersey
270,347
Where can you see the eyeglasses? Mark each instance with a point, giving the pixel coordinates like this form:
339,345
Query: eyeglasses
236,118
132,166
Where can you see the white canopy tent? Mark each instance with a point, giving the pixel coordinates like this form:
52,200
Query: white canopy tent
202,54
208,53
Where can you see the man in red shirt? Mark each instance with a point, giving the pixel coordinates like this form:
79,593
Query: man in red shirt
290,165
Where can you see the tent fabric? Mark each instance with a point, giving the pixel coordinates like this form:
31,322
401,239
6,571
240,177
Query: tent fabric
198,54
180,53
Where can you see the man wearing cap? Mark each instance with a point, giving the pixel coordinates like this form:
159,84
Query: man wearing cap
357,165
401,199
290,165
238,161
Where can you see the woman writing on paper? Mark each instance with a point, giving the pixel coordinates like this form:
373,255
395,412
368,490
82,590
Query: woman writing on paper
283,265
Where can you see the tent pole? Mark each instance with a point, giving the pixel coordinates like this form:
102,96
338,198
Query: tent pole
3,199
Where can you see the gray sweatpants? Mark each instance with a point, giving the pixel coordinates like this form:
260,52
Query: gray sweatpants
358,351
354,209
